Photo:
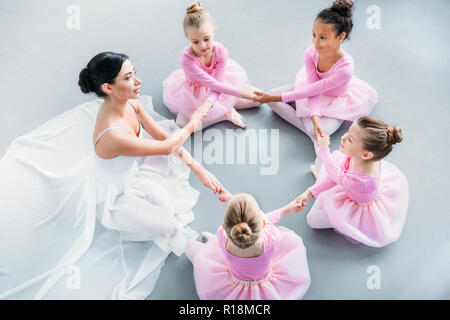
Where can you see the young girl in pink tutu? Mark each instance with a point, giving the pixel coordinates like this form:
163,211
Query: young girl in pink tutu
357,193
208,76
326,91
249,258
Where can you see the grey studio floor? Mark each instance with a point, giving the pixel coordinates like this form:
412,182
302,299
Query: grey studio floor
405,60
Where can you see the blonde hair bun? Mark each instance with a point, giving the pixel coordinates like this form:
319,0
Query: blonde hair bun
241,229
194,7
242,220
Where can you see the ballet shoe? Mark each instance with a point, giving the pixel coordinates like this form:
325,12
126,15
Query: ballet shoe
181,121
236,118
207,235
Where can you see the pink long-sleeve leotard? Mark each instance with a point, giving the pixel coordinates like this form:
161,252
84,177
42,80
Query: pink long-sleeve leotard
256,268
211,77
333,82
359,186
370,210
280,272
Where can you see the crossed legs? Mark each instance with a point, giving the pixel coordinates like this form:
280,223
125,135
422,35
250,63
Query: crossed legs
232,115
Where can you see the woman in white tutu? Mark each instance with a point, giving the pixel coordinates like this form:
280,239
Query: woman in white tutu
56,180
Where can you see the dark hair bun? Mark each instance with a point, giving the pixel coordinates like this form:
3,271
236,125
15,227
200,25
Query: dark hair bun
84,81
343,7
394,135
102,68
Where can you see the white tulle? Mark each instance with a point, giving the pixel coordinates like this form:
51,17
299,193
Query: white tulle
63,208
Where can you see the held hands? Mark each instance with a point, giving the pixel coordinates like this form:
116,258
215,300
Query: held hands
291,207
225,196
323,140
176,140
248,94
318,132
321,137
302,199
198,116
209,180
264,97
203,110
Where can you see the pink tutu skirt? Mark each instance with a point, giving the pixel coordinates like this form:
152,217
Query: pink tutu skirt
375,223
289,277
183,96
358,101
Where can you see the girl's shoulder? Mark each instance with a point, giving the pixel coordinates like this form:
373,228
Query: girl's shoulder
346,60
310,53
218,46
188,58
271,235
187,53
339,157
221,234
220,50
311,50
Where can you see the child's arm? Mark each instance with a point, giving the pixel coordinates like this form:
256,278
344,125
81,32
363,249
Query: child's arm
219,70
337,78
222,58
342,75
314,191
311,77
194,72
335,173
322,184
275,215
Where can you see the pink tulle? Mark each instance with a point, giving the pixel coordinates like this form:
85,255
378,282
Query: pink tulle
288,277
183,96
359,100
375,223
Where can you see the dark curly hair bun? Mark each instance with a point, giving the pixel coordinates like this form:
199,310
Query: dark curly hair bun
343,7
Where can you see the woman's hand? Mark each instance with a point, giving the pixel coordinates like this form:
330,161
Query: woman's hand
176,140
203,110
248,94
264,97
198,116
209,180
196,119
291,207
302,199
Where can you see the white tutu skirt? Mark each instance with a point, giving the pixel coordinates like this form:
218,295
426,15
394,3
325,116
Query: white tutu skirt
75,226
